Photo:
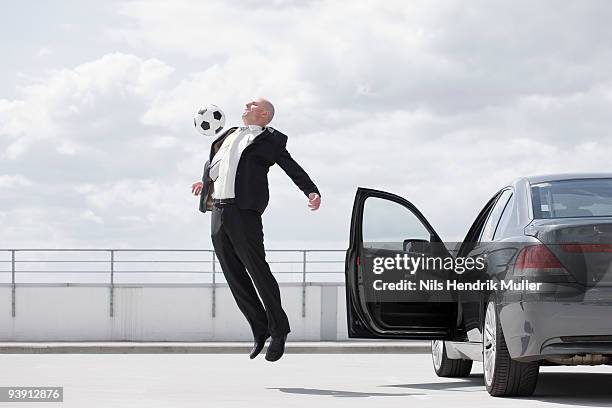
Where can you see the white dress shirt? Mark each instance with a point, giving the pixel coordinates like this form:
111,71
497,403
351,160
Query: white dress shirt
225,162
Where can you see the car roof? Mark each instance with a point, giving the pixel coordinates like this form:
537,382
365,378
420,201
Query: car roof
564,176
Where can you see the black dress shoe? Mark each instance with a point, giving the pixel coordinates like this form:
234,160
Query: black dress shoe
276,348
258,345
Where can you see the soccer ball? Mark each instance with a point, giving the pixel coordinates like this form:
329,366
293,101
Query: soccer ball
209,120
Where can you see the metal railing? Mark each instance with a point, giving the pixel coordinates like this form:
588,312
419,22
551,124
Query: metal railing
324,264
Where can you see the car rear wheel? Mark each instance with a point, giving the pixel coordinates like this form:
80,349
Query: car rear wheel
447,367
504,376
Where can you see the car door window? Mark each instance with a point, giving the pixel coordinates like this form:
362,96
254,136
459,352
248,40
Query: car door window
494,215
504,220
387,224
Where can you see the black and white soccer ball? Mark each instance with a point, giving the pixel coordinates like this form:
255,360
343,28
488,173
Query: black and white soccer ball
209,120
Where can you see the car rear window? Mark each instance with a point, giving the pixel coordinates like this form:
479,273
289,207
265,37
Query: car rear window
572,198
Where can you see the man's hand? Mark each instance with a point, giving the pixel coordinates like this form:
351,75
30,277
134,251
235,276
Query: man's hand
196,188
314,201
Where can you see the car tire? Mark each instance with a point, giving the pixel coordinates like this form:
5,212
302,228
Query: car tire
504,377
447,367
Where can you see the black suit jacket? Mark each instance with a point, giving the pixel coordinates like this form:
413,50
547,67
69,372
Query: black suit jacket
251,184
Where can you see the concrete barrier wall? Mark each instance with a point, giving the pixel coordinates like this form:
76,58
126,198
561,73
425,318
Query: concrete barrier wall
149,313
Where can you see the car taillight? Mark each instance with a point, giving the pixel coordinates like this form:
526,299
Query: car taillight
537,263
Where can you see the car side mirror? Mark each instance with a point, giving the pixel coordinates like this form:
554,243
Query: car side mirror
421,246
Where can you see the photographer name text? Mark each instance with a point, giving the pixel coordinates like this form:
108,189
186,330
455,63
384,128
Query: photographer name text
454,285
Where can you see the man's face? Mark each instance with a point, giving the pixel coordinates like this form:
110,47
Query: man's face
254,113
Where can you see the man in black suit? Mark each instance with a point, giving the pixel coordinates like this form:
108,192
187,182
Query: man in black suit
234,188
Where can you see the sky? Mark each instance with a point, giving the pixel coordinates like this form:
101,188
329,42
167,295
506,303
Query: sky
441,102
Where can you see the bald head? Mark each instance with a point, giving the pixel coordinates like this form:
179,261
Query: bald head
268,107
259,111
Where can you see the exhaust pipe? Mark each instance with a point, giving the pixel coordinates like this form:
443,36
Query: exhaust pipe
583,359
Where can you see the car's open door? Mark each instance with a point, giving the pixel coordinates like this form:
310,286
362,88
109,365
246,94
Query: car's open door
385,226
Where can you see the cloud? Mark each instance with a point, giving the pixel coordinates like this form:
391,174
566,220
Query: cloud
80,103
440,102
8,181
91,216
432,55
44,52
76,134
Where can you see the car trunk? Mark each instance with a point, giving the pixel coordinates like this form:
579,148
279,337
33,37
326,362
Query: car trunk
582,245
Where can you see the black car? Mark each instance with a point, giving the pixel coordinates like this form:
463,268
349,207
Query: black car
544,293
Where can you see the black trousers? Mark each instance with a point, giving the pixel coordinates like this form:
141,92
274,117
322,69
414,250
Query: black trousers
237,237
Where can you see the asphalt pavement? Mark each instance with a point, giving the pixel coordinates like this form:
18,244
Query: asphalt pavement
297,380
